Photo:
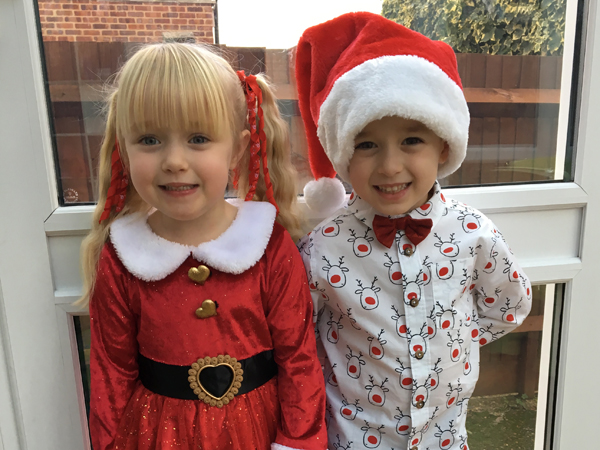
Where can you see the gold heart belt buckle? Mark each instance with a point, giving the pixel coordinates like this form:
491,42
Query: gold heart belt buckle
216,380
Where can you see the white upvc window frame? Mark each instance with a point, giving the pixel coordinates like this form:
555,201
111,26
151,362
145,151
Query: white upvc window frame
41,399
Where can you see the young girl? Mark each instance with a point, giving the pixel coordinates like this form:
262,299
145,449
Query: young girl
201,325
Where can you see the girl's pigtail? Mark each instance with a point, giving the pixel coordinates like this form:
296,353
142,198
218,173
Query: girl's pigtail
281,170
95,240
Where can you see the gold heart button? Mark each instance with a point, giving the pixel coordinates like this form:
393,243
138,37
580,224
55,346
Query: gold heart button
199,274
208,309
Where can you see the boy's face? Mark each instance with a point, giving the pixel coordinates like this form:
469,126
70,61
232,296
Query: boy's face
395,164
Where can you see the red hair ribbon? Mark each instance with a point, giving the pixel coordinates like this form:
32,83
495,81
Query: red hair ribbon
258,139
118,185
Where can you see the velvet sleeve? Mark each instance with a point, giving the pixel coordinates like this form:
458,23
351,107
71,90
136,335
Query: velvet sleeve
300,380
502,289
114,349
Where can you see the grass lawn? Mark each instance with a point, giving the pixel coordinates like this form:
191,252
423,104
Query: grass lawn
502,422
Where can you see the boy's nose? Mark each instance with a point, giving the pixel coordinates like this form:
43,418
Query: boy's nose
175,159
391,162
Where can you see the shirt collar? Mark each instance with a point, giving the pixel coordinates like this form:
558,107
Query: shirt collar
433,209
151,257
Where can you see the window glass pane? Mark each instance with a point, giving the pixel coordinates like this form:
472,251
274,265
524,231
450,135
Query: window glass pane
509,55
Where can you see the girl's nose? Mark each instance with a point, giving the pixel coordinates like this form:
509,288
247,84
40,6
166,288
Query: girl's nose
175,159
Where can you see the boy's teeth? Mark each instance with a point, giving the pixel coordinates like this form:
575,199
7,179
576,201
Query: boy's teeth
178,188
392,190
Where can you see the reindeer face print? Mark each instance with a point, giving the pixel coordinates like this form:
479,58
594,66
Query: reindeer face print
332,228
404,245
406,379
372,436
510,313
412,289
361,245
415,438
446,436
349,410
394,270
513,275
368,295
455,345
333,333
426,277
470,221
424,209
336,276
376,391
449,247
446,316
420,393
435,375
445,269
400,323
376,346
467,363
404,423
431,324
354,364
452,394
331,379
417,343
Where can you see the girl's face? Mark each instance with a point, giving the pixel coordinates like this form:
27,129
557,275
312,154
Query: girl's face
183,174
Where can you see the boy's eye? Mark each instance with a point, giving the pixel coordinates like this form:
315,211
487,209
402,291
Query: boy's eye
368,145
412,141
198,139
149,140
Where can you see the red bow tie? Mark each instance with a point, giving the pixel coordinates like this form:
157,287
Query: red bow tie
416,229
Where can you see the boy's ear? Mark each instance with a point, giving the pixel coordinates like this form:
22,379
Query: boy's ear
445,154
238,151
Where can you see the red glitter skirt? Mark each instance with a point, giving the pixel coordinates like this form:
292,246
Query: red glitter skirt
155,422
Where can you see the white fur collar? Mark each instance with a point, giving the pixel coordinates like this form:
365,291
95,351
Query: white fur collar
151,258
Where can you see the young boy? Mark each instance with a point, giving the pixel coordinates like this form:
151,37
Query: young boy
407,284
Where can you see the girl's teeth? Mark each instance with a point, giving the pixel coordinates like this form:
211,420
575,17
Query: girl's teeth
391,190
178,188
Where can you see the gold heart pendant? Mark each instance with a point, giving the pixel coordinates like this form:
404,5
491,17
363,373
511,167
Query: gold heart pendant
236,374
208,309
199,274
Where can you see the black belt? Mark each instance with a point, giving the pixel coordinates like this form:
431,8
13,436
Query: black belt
216,379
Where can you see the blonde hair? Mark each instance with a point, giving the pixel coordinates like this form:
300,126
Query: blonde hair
185,86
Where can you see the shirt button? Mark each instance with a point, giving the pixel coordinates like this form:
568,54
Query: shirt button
414,448
409,251
420,404
414,302
419,354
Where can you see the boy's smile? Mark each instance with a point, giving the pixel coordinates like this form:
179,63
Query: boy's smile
395,164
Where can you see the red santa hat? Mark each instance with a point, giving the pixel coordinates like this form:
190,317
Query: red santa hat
361,67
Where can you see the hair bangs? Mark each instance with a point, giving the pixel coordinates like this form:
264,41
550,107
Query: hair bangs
172,87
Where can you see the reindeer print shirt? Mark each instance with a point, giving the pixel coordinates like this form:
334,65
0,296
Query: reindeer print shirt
401,327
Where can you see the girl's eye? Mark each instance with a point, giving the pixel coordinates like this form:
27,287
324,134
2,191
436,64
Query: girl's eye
149,140
368,145
412,141
198,139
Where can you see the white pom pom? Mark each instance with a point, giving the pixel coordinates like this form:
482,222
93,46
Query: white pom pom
325,195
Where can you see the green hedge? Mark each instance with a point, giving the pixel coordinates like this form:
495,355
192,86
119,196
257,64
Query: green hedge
496,27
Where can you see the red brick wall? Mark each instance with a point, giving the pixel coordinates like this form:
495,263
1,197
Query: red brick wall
125,21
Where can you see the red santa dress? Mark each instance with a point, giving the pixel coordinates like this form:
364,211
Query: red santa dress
144,303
